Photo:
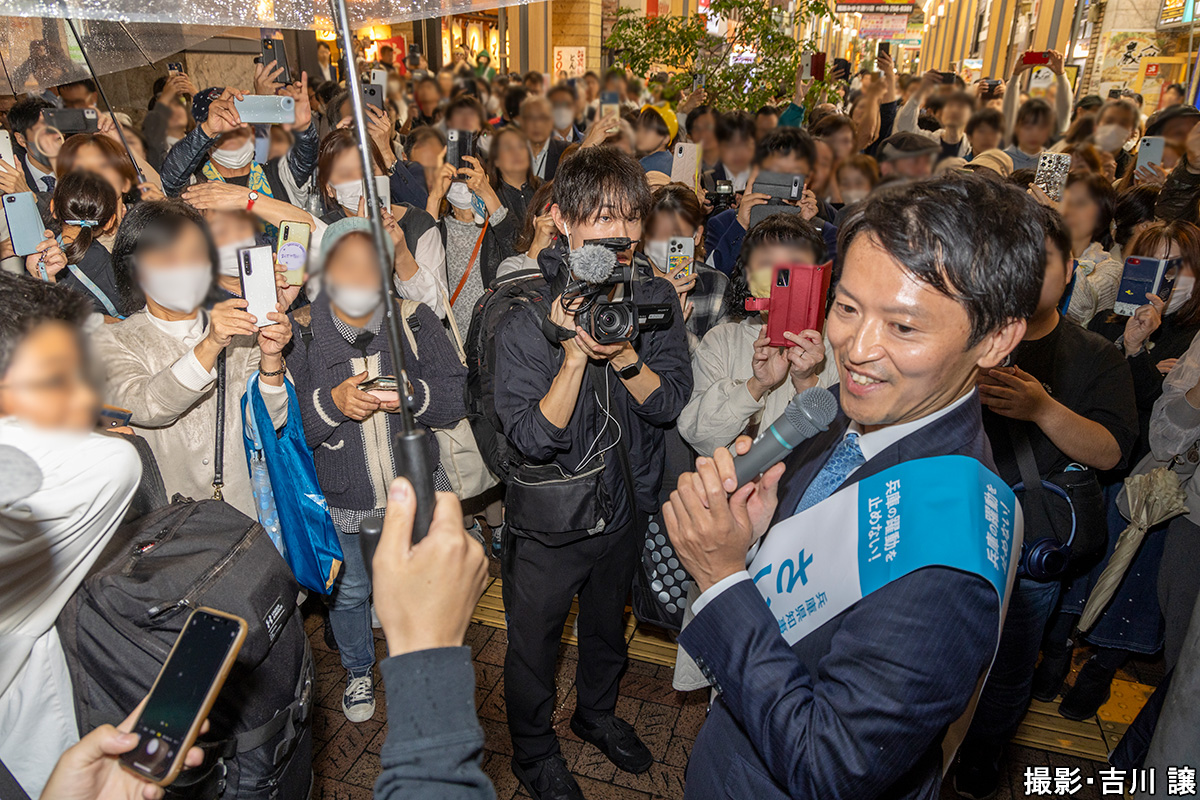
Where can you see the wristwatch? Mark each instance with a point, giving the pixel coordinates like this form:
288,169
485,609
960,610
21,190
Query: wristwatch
250,198
630,372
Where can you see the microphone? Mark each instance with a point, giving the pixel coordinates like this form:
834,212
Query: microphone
593,263
809,413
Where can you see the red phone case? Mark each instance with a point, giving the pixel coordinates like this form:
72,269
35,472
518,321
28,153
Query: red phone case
1035,57
797,302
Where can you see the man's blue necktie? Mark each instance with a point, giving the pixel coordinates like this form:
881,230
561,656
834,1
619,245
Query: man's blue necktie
844,459
49,180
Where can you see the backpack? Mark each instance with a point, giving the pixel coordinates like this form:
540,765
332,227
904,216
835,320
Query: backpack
518,291
120,624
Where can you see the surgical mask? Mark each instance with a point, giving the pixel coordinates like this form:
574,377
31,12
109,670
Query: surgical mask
227,256
180,289
657,253
853,196
564,117
1130,144
459,195
348,194
760,283
237,158
1181,293
1110,138
355,301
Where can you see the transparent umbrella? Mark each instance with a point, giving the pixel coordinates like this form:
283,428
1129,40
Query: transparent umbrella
39,52
1154,497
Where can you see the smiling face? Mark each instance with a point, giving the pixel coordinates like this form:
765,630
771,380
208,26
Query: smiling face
901,345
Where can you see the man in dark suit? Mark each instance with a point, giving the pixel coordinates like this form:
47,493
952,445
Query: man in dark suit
865,706
538,123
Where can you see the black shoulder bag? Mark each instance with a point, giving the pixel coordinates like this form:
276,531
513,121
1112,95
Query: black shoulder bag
219,448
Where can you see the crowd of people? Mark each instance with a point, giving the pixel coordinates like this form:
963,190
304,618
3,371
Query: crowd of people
965,292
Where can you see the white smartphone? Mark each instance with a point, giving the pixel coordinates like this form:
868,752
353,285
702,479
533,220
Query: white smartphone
6,150
379,77
266,108
383,188
256,268
1150,150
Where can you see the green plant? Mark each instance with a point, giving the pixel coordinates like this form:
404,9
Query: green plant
684,46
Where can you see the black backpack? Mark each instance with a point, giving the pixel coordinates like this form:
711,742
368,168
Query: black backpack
518,291
120,624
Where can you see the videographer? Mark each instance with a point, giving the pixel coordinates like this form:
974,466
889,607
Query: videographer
570,406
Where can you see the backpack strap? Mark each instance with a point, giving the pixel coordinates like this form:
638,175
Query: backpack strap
408,316
218,482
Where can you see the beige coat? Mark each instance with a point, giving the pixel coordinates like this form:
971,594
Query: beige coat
179,423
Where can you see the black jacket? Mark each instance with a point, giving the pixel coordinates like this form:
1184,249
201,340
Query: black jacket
527,362
190,154
1179,194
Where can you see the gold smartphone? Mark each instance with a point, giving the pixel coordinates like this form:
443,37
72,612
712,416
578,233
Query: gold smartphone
183,694
291,250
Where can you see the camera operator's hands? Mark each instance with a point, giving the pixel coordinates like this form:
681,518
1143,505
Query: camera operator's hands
566,319
711,529
804,358
91,770
769,364
227,319
352,401
620,354
425,593
48,256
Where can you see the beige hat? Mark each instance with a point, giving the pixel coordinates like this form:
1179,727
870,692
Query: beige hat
997,161
947,164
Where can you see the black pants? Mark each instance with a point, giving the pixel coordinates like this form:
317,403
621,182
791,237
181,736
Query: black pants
539,583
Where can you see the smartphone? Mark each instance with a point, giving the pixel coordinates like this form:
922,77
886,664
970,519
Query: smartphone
113,417
697,82
379,77
6,151
812,66
374,93
797,301
174,68
681,250
459,144
273,50
1052,172
610,103
1150,150
1034,57
884,49
256,268
1143,276
685,164
948,78
68,121
266,108
988,88
841,69
25,225
291,250
1114,94
183,694
383,189
383,387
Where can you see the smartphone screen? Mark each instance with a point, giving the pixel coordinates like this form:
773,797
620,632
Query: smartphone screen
183,693
610,103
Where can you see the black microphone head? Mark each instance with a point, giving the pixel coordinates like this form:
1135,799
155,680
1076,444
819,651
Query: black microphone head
593,263
812,411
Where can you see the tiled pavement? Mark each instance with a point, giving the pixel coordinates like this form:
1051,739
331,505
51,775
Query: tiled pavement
347,755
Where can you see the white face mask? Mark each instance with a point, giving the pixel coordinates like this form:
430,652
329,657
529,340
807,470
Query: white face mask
354,301
1111,137
459,195
180,289
227,256
348,194
236,158
853,196
1181,293
563,118
657,253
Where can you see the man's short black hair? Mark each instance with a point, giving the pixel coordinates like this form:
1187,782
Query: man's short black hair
786,141
590,74
321,44
1179,88
596,179
25,114
87,83
514,96
694,117
563,88
962,97
944,231
767,111
26,303
991,117
734,124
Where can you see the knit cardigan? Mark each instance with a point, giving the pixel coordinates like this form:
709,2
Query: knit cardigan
354,460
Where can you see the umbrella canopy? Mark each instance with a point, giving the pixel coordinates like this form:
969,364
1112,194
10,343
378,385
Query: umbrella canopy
37,53
296,14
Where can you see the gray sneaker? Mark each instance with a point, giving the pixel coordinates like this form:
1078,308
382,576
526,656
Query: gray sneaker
358,701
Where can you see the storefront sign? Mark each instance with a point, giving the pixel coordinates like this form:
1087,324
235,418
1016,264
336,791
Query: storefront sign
1175,12
571,60
875,8
882,26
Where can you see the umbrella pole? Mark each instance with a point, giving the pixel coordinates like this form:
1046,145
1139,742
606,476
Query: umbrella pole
12,86
100,88
411,450
129,33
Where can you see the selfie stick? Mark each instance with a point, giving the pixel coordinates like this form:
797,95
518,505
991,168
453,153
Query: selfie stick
99,88
412,452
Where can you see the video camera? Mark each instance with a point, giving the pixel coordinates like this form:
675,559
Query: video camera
609,311
722,197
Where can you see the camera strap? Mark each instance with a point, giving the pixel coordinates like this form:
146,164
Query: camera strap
596,374
219,446
470,264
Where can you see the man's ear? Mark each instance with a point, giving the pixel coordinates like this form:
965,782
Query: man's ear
19,138
560,221
996,346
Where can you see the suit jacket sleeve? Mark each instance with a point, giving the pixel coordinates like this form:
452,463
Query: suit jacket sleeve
902,666
434,744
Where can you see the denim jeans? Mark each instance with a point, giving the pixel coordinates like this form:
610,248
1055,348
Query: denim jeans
350,609
1007,692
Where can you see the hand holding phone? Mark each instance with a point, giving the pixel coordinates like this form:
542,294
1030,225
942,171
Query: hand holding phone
256,267
797,301
1032,58
292,250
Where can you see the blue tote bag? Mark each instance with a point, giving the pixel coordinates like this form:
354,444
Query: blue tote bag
296,519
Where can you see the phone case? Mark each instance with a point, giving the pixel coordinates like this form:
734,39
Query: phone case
780,185
257,272
373,93
68,121
292,250
6,149
1035,57
273,50
458,145
379,77
174,68
685,166
1143,276
266,108
801,290
610,103
25,225
383,188
681,250
812,66
1052,172
1150,150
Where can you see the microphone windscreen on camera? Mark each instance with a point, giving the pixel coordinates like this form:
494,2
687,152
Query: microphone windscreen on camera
811,411
593,263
